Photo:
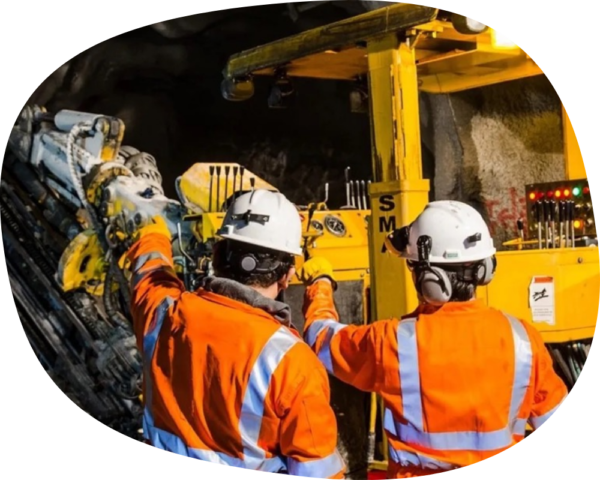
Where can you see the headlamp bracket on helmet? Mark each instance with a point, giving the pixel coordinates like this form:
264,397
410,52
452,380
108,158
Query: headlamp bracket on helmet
248,217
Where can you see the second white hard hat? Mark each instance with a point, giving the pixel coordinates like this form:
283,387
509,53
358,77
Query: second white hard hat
458,234
266,219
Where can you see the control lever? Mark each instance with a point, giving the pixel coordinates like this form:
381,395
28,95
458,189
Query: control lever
242,170
235,172
572,214
364,194
538,219
347,177
352,202
218,205
211,171
357,194
546,213
561,222
552,222
227,168
521,231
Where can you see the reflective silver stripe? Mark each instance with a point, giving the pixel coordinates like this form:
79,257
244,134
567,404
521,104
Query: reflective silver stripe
254,398
331,327
537,422
523,362
410,383
251,415
419,460
322,468
480,441
149,346
146,257
172,443
139,272
469,440
252,408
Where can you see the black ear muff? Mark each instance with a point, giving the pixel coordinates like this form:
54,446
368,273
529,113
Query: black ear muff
433,284
248,263
486,270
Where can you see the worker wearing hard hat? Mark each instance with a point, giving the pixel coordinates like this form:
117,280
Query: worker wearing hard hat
459,380
227,378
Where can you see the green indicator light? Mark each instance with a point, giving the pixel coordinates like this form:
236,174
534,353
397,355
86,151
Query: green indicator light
576,191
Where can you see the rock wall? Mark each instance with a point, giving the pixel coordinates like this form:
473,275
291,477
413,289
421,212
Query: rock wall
489,143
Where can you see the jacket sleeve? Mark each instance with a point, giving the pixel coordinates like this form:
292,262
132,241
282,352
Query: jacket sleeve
153,281
308,426
549,389
351,353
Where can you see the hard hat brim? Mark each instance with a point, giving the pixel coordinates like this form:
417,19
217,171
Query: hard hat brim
259,243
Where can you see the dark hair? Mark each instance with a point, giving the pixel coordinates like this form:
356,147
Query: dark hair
273,265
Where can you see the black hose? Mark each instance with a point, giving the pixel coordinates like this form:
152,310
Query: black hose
112,311
563,368
581,353
10,221
52,209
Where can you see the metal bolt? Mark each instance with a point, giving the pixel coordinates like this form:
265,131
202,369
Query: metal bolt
580,260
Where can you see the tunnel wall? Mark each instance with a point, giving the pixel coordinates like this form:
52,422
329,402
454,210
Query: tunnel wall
488,143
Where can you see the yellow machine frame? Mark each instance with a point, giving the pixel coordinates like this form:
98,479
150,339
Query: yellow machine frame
403,49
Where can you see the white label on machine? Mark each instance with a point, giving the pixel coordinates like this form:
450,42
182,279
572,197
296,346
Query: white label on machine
541,300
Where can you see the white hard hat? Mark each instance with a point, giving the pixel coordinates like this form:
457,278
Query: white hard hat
458,234
266,219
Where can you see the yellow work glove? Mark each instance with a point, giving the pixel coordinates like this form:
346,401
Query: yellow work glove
315,268
157,225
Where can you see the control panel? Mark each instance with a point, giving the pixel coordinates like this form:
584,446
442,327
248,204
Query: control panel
560,214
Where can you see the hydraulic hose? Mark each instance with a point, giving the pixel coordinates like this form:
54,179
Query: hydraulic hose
112,311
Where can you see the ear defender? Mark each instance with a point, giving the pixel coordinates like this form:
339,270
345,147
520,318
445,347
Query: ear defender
433,284
486,271
248,263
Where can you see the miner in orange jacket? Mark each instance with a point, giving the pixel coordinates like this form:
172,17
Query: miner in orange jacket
459,380
227,379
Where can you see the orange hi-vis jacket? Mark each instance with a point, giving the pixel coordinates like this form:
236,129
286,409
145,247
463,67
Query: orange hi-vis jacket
459,383
224,381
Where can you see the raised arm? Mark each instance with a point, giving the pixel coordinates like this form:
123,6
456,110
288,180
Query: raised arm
154,281
351,353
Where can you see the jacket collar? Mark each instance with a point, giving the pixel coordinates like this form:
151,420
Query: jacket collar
450,307
244,294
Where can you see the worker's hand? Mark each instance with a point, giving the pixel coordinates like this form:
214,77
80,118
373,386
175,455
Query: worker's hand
315,268
156,225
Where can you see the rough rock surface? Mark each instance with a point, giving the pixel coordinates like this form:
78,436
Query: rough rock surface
489,143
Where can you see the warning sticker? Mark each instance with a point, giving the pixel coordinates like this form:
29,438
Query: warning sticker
541,300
